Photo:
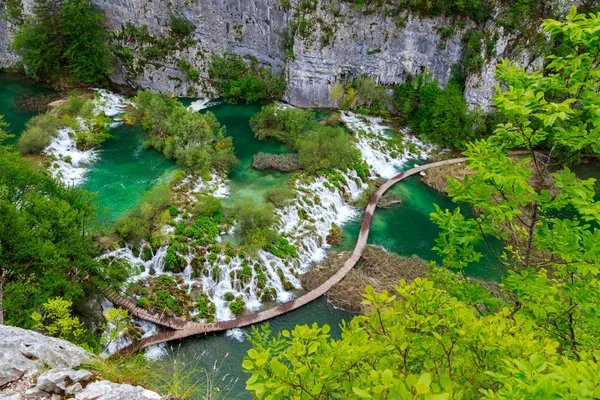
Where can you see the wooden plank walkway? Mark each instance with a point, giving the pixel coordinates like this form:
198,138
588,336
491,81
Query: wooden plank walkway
193,329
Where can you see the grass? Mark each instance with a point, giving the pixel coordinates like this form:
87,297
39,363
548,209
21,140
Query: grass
174,377
437,178
377,268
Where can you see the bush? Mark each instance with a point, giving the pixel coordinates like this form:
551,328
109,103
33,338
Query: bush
282,124
333,119
254,222
280,195
229,296
207,206
38,134
237,306
181,26
195,140
239,81
77,107
361,94
142,302
441,115
173,211
33,141
328,148
137,224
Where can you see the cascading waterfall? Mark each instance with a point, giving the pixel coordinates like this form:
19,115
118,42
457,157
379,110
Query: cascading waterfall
70,163
375,145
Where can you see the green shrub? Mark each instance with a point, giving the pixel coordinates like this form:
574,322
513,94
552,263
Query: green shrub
254,222
282,124
229,296
239,81
327,147
441,115
280,195
33,141
195,140
173,211
135,226
237,306
142,302
181,26
207,206
191,73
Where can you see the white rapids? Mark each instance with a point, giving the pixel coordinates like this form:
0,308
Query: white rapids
71,164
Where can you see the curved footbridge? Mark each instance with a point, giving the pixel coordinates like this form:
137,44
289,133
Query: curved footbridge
183,329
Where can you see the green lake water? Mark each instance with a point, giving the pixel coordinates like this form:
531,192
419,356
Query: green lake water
408,230
124,170
12,88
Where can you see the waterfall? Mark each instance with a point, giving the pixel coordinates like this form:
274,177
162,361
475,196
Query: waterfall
377,148
69,164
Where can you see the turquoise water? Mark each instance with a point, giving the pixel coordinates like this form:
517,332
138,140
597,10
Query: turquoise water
246,181
124,170
12,87
408,230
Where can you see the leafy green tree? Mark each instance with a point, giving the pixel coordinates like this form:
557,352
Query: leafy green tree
444,337
64,36
46,238
57,320
284,124
85,52
254,224
196,140
547,219
239,80
119,323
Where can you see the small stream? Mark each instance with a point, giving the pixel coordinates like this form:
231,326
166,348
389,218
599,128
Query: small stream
123,170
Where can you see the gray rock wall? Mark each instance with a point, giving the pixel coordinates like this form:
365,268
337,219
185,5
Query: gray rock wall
357,44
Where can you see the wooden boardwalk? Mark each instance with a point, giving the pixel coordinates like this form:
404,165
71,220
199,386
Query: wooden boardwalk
193,329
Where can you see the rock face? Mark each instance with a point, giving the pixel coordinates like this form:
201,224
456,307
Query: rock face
34,366
337,42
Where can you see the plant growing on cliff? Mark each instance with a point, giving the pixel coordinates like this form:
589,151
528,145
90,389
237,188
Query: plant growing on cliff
238,80
64,38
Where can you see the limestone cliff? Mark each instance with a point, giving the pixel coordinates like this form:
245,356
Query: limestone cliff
337,42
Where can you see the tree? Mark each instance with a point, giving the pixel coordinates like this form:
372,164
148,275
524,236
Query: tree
285,124
548,219
64,36
196,140
238,80
57,320
118,323
535,336
420,342
46,238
